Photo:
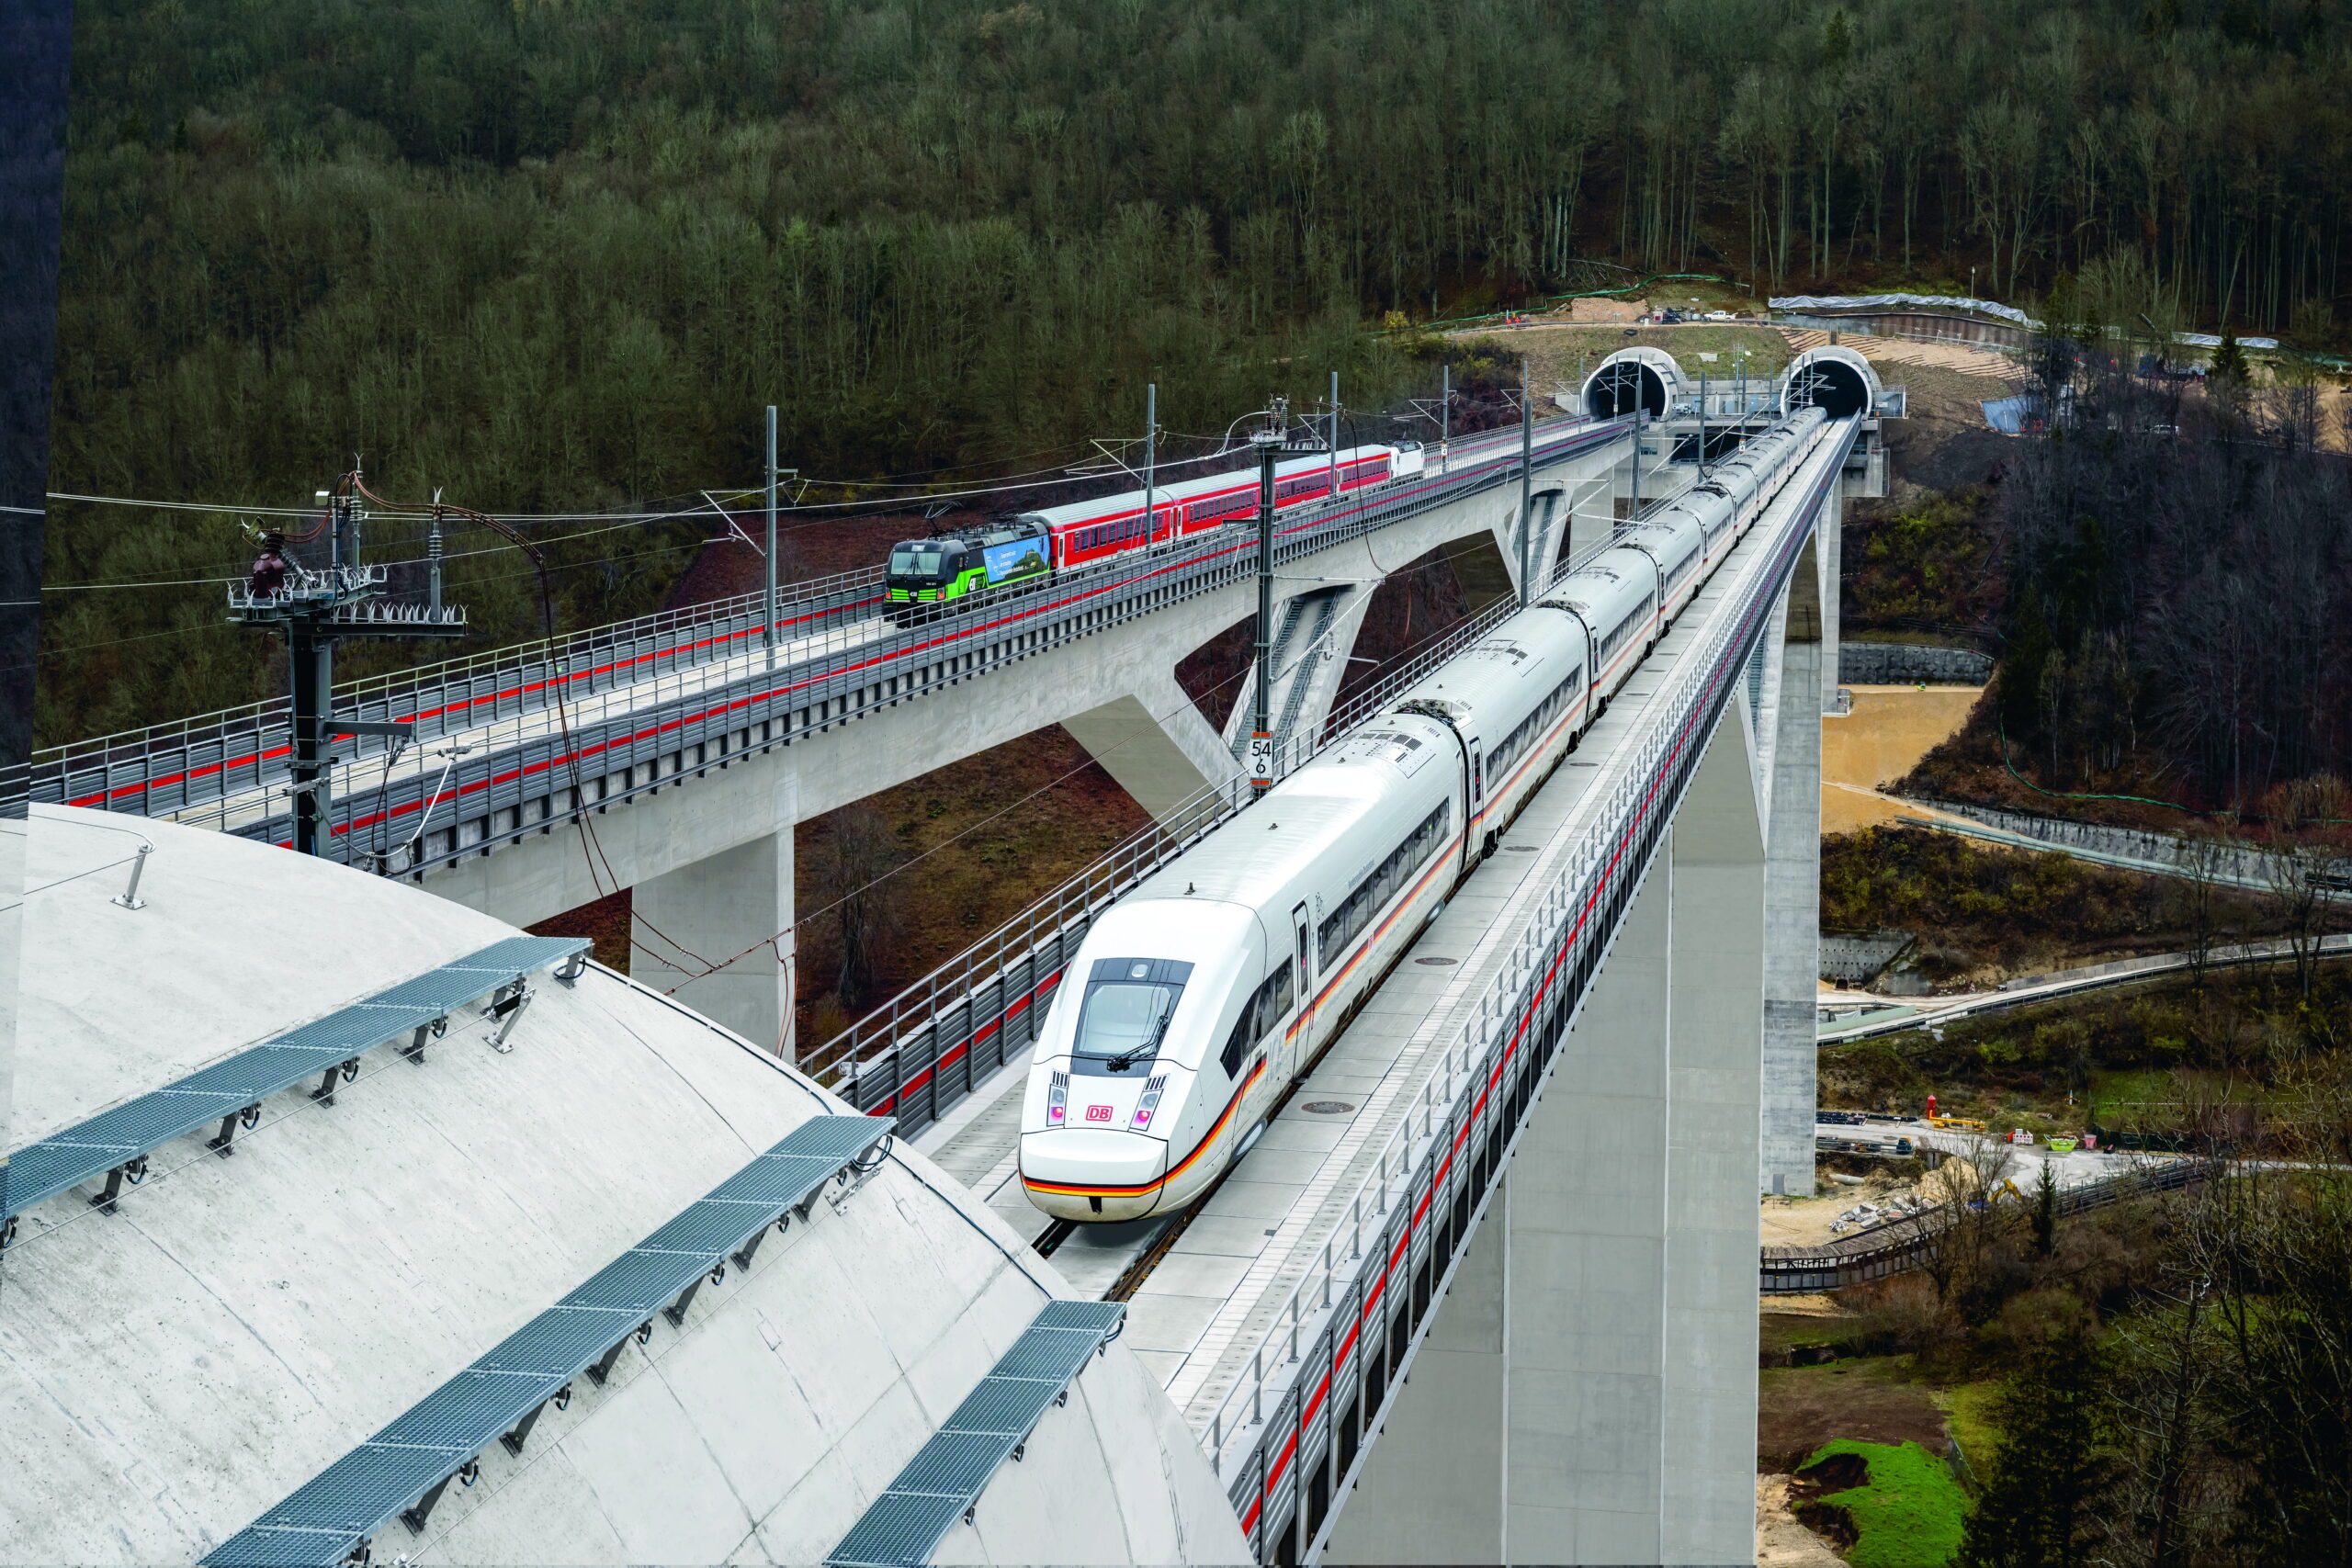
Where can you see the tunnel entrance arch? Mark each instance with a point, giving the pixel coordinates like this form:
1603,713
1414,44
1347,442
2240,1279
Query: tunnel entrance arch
1838,381
1632,380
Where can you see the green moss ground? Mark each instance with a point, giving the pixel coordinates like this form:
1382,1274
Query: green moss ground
1909,1514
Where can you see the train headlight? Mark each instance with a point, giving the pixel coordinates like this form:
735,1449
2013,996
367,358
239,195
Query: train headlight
1057,1099
1148,1103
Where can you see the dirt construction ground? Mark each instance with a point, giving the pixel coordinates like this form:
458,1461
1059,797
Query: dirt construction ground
1890,728
1781,1540
1799,1408
1805,1222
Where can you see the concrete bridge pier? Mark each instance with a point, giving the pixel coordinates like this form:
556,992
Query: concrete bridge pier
1540,542
1586,1393
736,904
1798,691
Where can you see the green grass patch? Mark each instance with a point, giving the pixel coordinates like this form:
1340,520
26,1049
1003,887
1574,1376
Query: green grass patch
1909,1513
1968,1412
2123,1096
2160,1099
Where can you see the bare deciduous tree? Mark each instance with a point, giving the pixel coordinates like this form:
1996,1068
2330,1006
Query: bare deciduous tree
2203,862
851,876
1958,1238
2300,871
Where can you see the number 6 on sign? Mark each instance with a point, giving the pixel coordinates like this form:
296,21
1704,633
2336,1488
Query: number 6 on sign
1261,758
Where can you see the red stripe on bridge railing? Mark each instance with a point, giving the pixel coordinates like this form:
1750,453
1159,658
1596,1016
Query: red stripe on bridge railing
611,667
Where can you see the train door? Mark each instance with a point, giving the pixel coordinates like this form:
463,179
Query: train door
1303,954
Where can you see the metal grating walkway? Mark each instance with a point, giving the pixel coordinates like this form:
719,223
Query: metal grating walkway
405,1468
943,1481
233,1089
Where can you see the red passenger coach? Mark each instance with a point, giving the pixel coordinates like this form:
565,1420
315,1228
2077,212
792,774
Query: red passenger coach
1088,531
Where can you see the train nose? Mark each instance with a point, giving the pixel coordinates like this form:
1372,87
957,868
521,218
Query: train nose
1082,1173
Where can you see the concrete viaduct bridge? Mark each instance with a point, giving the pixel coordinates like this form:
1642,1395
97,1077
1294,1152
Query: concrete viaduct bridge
1645,939
569,784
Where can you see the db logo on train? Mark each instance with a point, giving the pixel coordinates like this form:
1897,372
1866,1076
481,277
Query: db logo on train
1098,1113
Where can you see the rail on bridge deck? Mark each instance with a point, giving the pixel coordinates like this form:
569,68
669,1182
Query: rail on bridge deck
1288,1414
679,694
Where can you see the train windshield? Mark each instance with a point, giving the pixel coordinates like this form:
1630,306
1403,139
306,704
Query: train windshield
1124,1022
912,561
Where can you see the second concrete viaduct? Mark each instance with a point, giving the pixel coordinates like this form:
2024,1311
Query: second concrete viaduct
710,859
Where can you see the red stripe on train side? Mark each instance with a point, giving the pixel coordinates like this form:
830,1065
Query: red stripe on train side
1138,1189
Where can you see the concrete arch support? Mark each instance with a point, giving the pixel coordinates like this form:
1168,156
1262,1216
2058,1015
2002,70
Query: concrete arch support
1314,634
1154,743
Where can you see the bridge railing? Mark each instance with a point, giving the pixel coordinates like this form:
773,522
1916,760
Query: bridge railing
1289,1431
937,1041
1910,1243
168,768
554,768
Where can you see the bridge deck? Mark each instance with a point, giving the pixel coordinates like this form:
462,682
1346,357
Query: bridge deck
702,702
1212,1294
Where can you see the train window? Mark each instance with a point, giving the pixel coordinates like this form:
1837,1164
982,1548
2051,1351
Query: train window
1267,1007
1122,1021
914,563
1521,738
1393,874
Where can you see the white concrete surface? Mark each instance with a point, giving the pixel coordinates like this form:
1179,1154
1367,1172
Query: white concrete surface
1154,741
170,1372
1587,1392
1793,876
1314,632
690,927
1720,917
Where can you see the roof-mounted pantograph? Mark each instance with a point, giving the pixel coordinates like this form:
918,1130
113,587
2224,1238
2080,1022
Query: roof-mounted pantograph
405,1469
944,1478
115,1144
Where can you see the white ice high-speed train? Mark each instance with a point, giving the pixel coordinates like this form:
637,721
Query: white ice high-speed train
1196,1001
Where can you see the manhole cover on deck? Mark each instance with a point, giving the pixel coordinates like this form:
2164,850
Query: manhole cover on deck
1327,1108
1522,849
1437,963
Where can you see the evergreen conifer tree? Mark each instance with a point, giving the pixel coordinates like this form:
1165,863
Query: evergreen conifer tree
2228,360
2041,1503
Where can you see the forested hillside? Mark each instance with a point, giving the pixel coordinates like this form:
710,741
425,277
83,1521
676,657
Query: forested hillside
2167,575
553,254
